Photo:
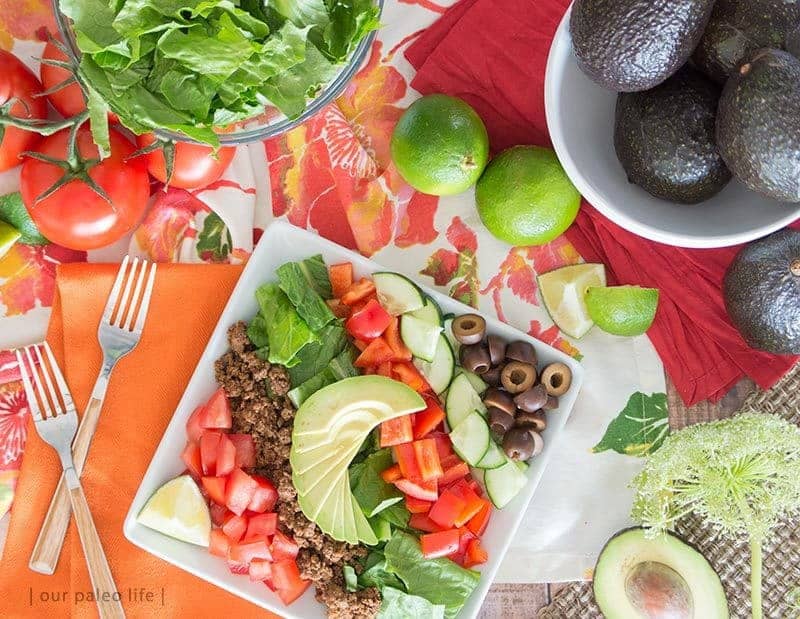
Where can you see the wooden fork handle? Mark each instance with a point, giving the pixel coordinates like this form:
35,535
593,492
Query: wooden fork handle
105,591
47,549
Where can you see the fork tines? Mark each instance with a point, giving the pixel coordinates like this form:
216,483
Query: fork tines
128,311
39,372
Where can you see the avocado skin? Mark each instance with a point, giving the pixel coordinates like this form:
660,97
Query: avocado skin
793,42
664,138
633,45
758,124
738,28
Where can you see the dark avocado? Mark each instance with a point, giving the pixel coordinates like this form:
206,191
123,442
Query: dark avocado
793,42
762,293
758,124
632,45
664,138
740,27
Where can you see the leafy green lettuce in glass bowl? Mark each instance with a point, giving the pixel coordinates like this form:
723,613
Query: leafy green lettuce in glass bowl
214,71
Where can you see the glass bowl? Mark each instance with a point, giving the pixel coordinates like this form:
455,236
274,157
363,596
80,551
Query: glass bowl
271,121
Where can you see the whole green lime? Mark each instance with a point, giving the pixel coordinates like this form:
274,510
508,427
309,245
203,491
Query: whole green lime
440,145
525,198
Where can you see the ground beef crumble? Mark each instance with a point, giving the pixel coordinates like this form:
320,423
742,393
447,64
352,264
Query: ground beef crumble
257,392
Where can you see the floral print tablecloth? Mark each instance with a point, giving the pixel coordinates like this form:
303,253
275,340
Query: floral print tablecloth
334,175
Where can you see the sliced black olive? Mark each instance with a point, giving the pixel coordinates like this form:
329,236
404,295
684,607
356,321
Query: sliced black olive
556,378
538,444
475,358
518,443
517,377
533,399
492,376
522,352
499,399
469,328
552,402
535,421
500,421
497,349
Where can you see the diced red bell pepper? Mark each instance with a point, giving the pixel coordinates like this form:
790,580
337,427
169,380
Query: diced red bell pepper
476,487
476,554
443,444
384,369
417,506
423,490
339,309
219,513
360,344
226,456
426,421
191,458
454,470
217,412
396,431
395,342
193,428
265,495
376,352
421,522
245,450
360,305
427,459
472,505
218,543
477,525
393,473
446,509
341,276
358,291
407,460
439,544
245,552
369,322
283,547
260,570
287,582
408,374
209,446
261,526
215,488
234,527
240,490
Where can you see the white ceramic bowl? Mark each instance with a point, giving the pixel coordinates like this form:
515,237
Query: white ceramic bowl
280,243
580,118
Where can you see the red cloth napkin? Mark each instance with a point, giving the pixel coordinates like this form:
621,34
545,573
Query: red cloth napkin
493,54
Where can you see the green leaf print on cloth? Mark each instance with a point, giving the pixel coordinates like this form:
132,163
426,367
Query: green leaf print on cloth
214,242
640,427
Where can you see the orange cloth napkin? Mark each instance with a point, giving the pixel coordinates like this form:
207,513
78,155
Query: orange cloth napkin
144,391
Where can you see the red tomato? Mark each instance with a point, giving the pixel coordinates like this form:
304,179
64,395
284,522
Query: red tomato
439,544
265,495
245,450
215,487
17,82
396,431
219,513
218,543
234,527
209,446
245,552
194,166
74,215
260,570
193,428
239,491
226,456
191,458
283,547
370,322
217,411
287,581
261,526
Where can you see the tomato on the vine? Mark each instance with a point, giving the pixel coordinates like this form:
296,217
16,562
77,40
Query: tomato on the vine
64,205
17,82
194,165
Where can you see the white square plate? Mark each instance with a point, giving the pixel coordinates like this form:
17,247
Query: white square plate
280,243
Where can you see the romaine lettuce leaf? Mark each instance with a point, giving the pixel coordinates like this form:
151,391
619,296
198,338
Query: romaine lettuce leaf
372,493
396,604
315,356
300,286
287,332
341,366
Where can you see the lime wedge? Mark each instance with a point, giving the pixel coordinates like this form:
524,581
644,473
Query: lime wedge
8,236
564,293
623,310
179,510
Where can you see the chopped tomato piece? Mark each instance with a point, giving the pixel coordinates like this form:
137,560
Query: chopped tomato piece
209,446
476,554
408,374
369,322
265,495
417,506
193,428
396,431
191,458
439,544
427,459
245,552
472,505
423,490
215,487
426,421
341,276
407,460
360,305
240,490
226,456
260,570
384,369
393,473
238,568
218,543
395,342
261,526
283,547
447,508
219,513
376,352
245,450
339,309
287,582
217,412
234,527
359,291
443,444
477,525
454,470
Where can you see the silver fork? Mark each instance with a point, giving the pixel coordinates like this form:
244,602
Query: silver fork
56,422
119,332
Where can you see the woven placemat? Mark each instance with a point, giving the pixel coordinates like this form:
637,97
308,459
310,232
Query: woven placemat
730,559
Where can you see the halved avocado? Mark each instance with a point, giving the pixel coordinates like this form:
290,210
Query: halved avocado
637,578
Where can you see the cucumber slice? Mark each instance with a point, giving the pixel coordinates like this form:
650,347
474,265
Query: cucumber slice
448,333
419,336
439,372
471,439
429,312
397,293
462,399
476,382
504,483
493,458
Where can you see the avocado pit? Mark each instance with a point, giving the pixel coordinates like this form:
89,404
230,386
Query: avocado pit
657,591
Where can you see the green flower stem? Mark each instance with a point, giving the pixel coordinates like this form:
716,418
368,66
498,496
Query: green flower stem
755,577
